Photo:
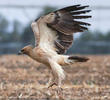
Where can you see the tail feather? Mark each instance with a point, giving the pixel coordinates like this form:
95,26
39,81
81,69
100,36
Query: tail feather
78,59
67,59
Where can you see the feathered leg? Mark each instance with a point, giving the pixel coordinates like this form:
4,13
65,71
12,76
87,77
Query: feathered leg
52,81
58,75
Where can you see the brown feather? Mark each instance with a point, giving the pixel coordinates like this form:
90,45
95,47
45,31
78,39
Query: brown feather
65,24
70,8
73,8
81,17
82,23
63,41
80,12
65,21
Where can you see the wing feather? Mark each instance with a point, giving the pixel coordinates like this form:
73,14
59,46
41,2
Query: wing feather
82,23
64,22
80,12
63,42
81,17
73,8
65,19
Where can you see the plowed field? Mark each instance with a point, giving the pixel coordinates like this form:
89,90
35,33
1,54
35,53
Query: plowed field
21,77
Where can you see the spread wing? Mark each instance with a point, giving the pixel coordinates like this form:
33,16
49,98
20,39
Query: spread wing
65,19
65,23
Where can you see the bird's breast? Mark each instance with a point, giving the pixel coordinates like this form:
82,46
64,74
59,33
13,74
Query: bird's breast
40,55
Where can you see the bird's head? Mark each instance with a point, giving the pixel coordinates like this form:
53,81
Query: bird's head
26,50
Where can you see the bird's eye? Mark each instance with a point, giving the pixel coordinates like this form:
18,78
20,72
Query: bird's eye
22,50
52,14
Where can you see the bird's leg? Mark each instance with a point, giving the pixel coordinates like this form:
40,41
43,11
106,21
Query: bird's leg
51,85
56,81
59,89
58,76
52,81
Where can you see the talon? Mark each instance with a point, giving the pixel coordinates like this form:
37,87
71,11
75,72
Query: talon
52,85
59,90
60,93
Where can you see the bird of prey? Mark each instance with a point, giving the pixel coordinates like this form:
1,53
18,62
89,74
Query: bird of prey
54,36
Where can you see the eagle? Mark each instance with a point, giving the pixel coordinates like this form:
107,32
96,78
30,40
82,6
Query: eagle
54,36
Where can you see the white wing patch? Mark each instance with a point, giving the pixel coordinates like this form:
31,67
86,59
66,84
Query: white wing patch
36,32
45,36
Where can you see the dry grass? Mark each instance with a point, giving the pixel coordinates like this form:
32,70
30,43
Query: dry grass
21,77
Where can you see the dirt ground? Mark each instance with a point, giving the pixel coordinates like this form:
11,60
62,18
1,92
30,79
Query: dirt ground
24,79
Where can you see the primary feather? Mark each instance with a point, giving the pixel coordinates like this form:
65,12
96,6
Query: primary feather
61,25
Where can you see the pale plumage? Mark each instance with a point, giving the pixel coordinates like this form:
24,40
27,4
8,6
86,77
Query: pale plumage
54,35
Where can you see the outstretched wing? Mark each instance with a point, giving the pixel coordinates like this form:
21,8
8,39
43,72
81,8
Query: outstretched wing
65,19
65,23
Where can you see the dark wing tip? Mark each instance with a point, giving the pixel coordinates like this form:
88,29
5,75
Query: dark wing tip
81,17
69,8
66,19
80,12
89,10
83,7
80,8
72,8
86,6
82,23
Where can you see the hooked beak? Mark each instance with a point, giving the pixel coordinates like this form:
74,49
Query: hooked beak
20,53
